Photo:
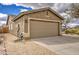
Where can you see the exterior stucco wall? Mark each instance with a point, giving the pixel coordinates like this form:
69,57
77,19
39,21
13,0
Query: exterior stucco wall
26,26
21,24
11,24
43,15
25,23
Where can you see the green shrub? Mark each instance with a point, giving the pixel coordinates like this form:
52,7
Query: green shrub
77,32
72,31
67,31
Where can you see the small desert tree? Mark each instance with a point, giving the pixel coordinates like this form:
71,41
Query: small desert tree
66,21
74,10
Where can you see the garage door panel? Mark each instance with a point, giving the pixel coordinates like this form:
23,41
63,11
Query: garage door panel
43,29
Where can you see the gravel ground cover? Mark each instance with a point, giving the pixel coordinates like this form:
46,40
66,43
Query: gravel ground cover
27,47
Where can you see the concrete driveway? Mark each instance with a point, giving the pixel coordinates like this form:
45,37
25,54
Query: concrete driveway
63,45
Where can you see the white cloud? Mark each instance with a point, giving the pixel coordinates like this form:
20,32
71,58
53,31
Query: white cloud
7,3
40,1
72,25
59,7
3,15
35,5
25,5
22,10
12,1
3,18
64,14
2,22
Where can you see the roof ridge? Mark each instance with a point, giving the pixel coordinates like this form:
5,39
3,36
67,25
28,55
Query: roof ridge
37,10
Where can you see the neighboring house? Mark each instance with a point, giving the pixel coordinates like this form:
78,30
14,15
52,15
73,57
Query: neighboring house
10,23
43,22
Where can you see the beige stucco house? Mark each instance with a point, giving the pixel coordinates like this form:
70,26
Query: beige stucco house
10,23
43,22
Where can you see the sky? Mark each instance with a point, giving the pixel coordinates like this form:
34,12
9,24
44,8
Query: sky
12,9
16,8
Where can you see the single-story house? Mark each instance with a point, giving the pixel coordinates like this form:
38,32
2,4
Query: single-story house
10,23
43,22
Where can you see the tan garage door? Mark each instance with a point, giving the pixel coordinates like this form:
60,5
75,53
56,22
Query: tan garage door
43,29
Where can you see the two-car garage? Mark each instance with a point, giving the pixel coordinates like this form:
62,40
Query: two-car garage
41,28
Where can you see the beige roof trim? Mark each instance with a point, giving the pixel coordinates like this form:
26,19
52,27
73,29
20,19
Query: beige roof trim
37,10
9,19
43,20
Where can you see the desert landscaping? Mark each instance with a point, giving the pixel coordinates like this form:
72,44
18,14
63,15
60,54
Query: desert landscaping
58,45
27,47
